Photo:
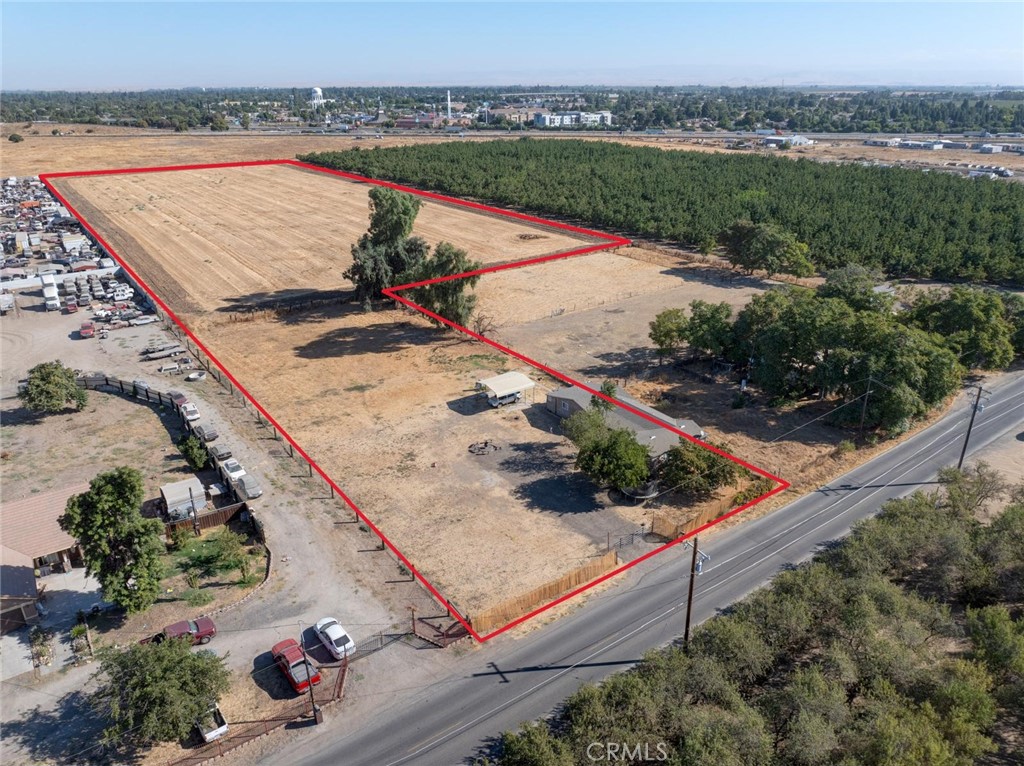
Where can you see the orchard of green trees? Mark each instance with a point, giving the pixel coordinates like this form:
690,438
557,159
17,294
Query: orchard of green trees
905,222
844,340
903,645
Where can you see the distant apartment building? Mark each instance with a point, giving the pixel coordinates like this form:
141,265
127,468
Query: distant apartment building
514,115
571,119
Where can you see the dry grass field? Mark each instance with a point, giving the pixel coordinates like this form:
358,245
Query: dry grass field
114,147
567,286
393,425
382,401
212,239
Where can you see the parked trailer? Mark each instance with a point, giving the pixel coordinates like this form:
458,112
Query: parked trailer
6,302
158,349
163,355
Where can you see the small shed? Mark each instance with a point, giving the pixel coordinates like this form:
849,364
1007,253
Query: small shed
505,385
183,496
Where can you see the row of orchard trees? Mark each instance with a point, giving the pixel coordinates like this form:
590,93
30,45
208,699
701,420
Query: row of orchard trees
905,222
900,646
845,339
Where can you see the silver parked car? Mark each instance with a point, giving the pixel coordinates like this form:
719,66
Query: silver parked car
248,487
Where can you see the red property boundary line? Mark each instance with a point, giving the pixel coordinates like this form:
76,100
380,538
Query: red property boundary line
607,241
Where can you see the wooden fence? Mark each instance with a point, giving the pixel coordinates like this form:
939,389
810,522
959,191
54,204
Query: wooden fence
670,530
216,518
125,387
513,608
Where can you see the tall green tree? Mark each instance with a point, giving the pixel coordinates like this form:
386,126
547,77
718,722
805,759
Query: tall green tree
974,323
392,216
154,692
386,255
447,298
585,426
766,247
616,459
693,469
855,284
375,268
709,330
120,547
51,387
668,331
609,389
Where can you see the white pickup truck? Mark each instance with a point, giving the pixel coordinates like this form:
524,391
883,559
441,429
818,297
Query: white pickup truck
212,724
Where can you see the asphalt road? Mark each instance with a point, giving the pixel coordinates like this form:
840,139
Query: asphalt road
507,682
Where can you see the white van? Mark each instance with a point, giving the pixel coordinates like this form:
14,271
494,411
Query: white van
501,401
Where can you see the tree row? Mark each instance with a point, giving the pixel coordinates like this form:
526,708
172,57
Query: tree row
908,223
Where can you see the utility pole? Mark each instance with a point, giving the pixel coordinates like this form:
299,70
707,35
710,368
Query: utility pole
864,407
318,716
967,438
689,598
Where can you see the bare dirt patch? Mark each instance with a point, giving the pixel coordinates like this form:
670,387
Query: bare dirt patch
216,238
394,424
109,432
623,281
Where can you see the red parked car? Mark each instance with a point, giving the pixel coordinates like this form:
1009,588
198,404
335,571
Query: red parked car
199,631
299,671
87,330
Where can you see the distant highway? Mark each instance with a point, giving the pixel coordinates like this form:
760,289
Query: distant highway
506,682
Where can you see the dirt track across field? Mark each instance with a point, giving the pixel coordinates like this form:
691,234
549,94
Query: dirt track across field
213,239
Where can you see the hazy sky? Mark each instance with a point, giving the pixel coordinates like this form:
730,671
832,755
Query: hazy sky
139,45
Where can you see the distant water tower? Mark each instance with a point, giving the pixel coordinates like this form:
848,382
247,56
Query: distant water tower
316,98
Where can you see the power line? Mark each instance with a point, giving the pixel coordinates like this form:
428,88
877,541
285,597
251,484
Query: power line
835,409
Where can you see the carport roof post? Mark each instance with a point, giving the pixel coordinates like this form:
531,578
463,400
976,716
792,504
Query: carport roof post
505,384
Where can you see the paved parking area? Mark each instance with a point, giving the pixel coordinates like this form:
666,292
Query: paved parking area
64,595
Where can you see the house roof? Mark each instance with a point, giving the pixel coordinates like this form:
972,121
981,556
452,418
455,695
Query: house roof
30,525
657,439
17,576
505,384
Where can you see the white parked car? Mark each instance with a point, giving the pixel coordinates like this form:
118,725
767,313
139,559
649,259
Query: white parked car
334,637
233,469
139,321
190,412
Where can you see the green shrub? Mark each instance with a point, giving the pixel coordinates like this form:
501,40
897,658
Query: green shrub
845,447
181,536
755,490
193,451
196,597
